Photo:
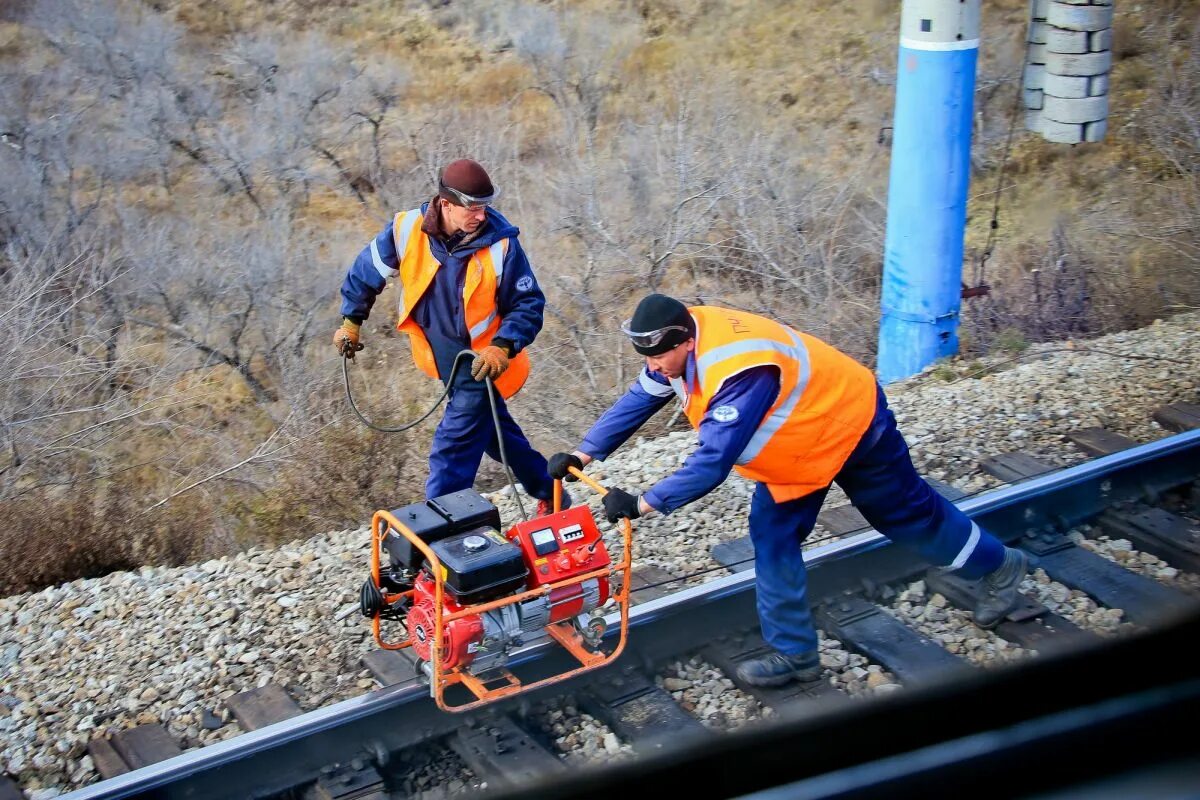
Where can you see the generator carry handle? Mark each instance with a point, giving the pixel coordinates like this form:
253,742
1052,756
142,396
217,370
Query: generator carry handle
441,679
578,473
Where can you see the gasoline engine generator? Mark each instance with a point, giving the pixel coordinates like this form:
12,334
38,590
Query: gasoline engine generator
467,596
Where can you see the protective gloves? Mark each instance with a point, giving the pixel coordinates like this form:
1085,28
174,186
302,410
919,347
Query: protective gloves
620,503
345,338
560,462
490,362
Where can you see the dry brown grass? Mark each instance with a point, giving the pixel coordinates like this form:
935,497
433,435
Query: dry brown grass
61,533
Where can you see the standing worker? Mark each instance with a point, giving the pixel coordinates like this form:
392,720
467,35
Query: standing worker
792,413
465,283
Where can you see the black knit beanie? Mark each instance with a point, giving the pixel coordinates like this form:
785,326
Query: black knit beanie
657,311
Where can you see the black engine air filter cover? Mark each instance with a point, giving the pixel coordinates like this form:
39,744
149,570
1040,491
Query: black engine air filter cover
426,523
480,565
466,510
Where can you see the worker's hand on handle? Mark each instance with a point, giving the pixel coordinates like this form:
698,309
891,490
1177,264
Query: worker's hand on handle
345,339
490,362
620,503
560,463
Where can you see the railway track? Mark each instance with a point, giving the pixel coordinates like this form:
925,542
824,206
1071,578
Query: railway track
361,748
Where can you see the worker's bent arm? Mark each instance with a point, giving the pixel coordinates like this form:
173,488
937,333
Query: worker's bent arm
368,276
649,393
519,300
733,415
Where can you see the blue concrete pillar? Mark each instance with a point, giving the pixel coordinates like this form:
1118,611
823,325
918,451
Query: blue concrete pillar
927,192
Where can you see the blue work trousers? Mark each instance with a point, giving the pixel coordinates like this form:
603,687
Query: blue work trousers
881,482
467,431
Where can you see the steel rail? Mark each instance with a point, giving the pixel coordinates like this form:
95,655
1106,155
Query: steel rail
287,754
1090,722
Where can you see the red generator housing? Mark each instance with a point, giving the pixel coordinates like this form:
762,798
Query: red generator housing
477,568
468,596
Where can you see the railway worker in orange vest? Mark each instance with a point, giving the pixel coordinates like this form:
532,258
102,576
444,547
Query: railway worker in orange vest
465,283
792,413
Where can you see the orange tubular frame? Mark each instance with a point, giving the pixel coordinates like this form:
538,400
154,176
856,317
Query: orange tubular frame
561,632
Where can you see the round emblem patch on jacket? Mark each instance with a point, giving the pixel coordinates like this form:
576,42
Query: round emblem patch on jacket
524,283
725,413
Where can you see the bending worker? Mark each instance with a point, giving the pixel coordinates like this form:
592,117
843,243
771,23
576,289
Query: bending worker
465,283
792,413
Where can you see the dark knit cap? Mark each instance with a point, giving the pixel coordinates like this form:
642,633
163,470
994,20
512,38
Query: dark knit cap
658,311
466,176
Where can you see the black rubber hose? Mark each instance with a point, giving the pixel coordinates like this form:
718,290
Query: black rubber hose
491,390
407,425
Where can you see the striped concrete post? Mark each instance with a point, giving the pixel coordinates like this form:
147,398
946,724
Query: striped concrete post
1066,71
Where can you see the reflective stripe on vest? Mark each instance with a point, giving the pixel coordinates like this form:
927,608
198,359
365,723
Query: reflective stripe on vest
826,399
484,269
496,255
796,352
402,234
482,325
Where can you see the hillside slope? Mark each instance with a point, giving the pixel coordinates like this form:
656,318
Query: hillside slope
99,655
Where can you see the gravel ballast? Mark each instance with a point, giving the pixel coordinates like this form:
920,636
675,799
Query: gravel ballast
171,645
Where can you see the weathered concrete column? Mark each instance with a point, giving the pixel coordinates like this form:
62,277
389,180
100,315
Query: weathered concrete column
927,191
1066,71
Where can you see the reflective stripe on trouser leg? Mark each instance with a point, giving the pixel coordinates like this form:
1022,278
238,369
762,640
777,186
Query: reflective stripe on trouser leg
777,530
528,465
459,442
883,484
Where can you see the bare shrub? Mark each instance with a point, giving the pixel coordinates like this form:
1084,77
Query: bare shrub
1059,292
1144,240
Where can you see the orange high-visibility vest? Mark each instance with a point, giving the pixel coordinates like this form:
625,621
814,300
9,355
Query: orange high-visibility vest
484,270
826,399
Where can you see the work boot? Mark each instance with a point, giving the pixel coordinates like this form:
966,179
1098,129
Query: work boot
1000,591
776,669
545,507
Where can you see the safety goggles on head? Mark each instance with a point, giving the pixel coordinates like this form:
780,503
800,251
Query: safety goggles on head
649,339
466,200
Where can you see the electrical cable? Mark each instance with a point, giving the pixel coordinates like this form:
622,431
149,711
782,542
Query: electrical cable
491,390
407,425
989,246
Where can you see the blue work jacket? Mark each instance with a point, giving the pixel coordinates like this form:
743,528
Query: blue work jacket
440,311
733,416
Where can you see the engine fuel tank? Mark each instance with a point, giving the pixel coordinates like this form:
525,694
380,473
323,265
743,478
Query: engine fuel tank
480,565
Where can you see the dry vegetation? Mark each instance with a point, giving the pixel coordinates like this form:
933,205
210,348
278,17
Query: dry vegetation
184,184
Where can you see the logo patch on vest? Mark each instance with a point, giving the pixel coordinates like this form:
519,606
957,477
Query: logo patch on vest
524,283
725,413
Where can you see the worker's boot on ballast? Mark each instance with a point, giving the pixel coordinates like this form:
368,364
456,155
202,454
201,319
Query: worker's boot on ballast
1000,591
776,669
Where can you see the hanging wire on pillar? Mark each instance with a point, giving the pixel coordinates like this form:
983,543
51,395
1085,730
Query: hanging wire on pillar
981,287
